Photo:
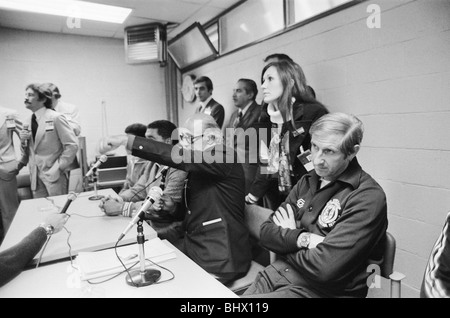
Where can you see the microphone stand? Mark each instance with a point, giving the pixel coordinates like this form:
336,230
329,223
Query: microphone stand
142,277
95,197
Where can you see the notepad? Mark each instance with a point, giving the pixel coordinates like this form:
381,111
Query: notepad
105,263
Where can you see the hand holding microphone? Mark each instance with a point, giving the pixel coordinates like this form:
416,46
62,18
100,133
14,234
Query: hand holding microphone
154,195
70,198
25,134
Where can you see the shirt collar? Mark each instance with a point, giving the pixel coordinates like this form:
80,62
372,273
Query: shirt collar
39,113
351,175
203,104
244,110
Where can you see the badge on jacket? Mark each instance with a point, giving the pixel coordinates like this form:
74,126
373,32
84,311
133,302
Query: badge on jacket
49,125
330,213
10,123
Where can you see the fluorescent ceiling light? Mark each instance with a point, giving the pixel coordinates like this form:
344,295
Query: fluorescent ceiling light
70,8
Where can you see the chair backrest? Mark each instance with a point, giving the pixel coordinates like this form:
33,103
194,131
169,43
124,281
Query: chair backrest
387,267
255,216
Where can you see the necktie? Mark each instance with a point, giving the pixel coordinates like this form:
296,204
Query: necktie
238,119
34,126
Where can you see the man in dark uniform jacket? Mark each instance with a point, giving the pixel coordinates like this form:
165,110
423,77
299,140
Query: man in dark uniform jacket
332,225
214,233
203,91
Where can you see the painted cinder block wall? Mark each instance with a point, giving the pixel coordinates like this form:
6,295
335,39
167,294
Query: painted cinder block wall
396,79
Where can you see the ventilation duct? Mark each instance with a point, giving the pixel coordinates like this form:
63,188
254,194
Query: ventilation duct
146,44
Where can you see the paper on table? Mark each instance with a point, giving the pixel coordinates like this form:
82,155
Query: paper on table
105,263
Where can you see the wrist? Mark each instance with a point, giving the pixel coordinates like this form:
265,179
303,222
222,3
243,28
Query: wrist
49,229
304,240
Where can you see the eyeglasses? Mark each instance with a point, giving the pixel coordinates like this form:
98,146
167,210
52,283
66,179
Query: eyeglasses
188,138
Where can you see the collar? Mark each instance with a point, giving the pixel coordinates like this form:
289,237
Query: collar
206,102
245,109
275,115
39,113
351,175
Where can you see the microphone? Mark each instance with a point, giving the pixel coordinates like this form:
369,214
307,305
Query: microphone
154,195
70,198
163,173
101,160
26,127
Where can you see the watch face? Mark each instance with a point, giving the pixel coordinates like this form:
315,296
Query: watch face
188,88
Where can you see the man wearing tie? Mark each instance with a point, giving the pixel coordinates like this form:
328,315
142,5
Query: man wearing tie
203,90
9,168
246,115
51,147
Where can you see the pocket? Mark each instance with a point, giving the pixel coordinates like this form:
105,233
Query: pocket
209,242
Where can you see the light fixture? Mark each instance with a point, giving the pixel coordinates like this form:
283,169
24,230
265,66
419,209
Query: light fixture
70,8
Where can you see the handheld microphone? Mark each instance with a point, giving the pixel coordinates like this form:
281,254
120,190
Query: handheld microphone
101,160
26,127
70,198
154,195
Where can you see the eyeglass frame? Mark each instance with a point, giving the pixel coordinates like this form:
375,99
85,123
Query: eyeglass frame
189,139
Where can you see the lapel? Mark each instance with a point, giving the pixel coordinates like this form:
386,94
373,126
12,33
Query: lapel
41,128
250,116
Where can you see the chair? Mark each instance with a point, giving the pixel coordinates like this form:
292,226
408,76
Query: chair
24,187
387,267
254,217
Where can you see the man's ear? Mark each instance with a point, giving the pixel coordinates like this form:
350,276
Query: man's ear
355,151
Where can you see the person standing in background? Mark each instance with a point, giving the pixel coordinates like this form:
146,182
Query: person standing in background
69,110
51,145
203,90
9,168
247,114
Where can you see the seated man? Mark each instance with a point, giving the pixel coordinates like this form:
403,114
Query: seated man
214,233
332,225
171,179
135,165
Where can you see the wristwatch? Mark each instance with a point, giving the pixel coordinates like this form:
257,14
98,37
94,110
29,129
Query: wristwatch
304,239
48,228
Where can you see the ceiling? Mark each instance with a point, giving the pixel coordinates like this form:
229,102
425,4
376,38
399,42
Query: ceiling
177,14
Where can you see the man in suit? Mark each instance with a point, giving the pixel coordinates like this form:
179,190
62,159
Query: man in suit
9,168
241,124
214,233
51,145
203,90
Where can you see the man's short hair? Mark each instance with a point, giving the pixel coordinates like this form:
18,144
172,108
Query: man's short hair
136,129
348,126
165,129
206,80
250,86
43,93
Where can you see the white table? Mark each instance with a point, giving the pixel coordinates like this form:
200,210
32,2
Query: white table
61,280
90,228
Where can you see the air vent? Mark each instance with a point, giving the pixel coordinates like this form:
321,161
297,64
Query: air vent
146,44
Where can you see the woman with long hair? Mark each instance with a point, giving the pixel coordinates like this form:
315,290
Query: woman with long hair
292,109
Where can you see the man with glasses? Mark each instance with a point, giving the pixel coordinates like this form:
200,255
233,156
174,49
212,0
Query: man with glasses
214,233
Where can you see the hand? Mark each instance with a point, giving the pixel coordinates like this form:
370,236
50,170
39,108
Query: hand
110,143
57,221
251,199
284,218
167,204
25,135
111,207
